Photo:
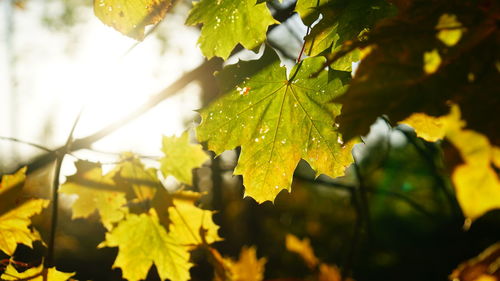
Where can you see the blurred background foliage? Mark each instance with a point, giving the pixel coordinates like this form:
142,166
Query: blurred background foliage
393,216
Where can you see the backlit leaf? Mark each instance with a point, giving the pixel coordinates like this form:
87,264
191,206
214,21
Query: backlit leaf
432,60
15,223
95,192
189,221
277,120
229,22
131,17
181,157
36,273
142,242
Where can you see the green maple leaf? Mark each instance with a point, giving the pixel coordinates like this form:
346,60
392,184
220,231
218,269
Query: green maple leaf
131,17
229,22
95,192
142,241
35,274
277,121
15,221
181,157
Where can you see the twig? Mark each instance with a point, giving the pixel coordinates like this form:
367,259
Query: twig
454,206
55,197
26,143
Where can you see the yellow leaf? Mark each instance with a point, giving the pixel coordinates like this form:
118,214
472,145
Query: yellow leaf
427,127
329,273
450,30
35,274
131,17
94,192
188,221
248,267
142,241
15,221
432,61
181,157
303,248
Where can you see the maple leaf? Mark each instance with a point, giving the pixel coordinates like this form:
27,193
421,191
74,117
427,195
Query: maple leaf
35,274
229,22
302,248
142,241
413,68
131,17
189,221
95,192
181,158
144,189
15,223
246,268
277,121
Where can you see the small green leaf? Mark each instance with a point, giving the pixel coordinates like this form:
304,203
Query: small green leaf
181,158
277,121
229,22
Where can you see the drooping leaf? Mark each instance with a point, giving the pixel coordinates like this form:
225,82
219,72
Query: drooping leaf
303,249
229,22
391,79
95,192
142,242
15,223
35,274
341,21
277,120
131,17
190,223
181,157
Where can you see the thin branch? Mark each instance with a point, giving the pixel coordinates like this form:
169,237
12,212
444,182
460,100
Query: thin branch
26,143
55,196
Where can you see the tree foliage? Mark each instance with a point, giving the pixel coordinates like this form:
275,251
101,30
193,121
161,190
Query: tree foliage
433,65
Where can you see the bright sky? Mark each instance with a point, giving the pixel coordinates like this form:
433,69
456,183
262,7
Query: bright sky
60,72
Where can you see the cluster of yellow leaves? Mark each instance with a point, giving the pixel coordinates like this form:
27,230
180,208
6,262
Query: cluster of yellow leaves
325,272
477,184
148,224
15,221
